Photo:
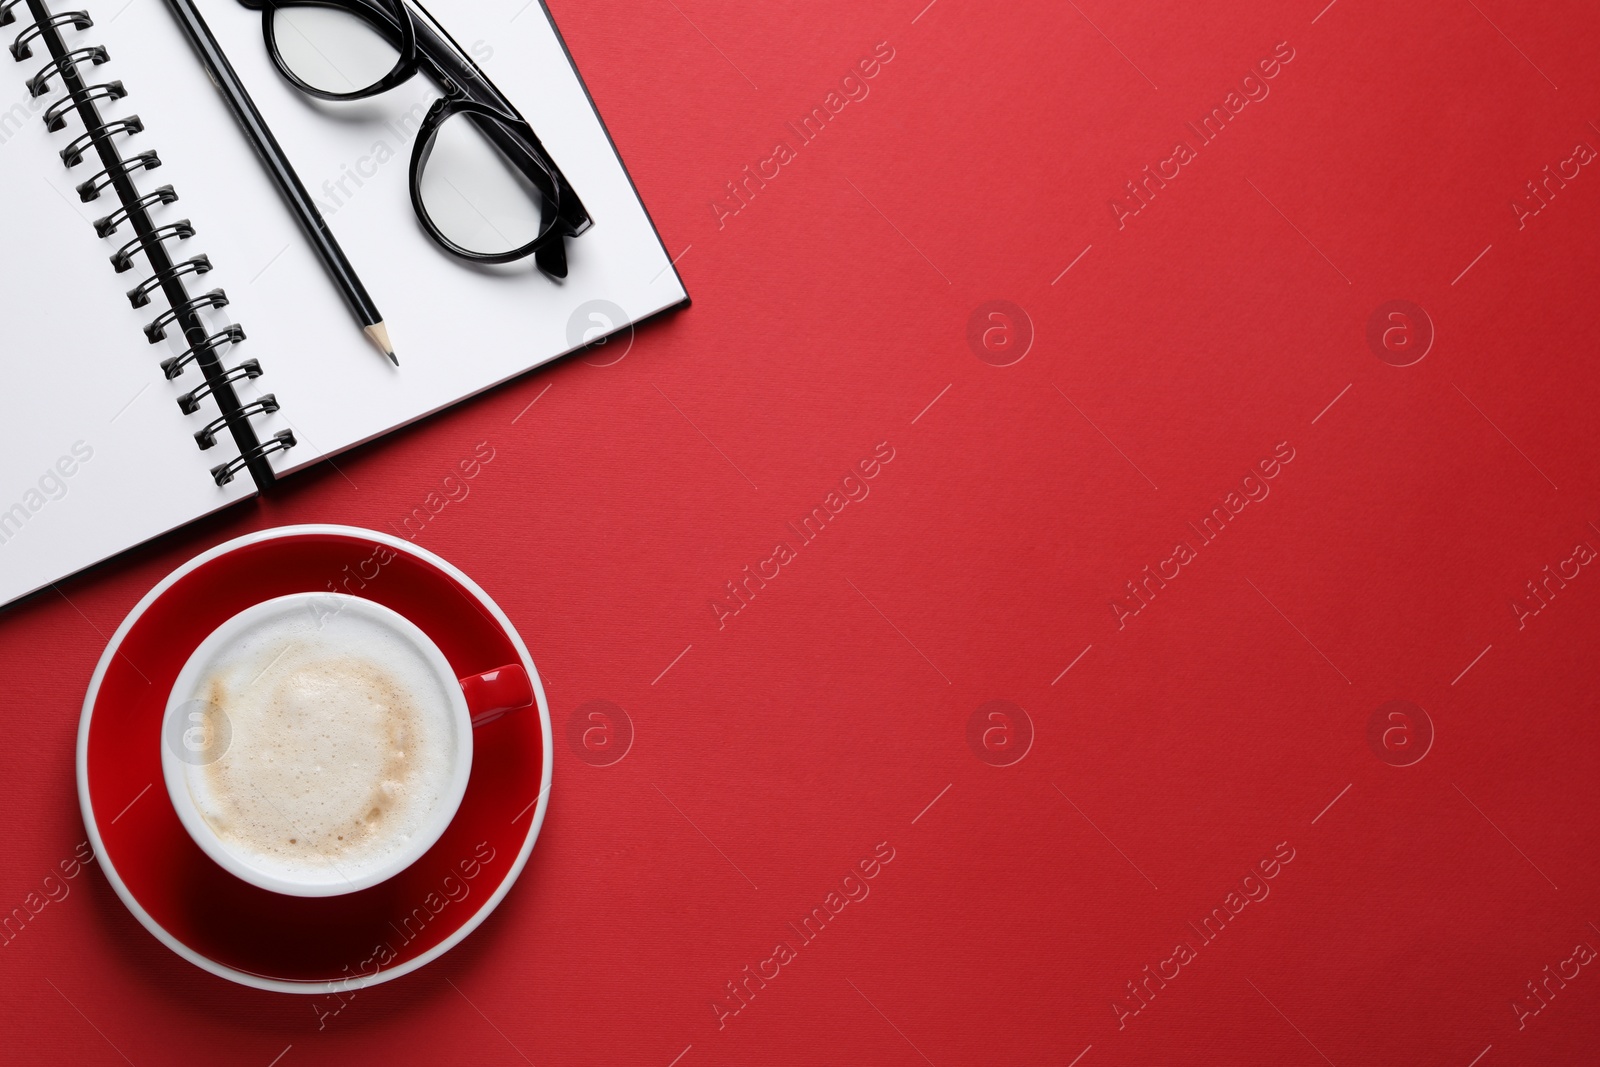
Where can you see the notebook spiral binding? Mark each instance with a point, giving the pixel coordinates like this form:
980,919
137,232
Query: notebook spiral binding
68,63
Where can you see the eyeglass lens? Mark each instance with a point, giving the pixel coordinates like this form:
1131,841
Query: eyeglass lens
479,199
330,49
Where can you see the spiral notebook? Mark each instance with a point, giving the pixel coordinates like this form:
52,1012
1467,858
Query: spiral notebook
135,211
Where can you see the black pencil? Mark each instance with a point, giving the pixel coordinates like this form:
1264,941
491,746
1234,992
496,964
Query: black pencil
255,127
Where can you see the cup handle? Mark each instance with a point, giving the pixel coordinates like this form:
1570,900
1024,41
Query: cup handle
494,693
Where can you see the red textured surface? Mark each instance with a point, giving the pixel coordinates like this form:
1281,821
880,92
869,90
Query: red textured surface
771,756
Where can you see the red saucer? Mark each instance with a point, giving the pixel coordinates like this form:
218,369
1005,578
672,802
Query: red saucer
305,944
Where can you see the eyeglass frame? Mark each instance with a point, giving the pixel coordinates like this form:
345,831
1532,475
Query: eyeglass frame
425,47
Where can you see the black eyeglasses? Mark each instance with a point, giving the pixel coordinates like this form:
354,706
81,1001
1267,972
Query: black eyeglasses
482,184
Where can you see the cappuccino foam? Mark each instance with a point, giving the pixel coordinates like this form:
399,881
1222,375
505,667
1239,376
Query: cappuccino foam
339,743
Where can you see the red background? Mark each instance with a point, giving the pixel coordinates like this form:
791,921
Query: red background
1222,720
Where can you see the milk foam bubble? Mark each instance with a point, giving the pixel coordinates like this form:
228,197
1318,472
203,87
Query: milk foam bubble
341,743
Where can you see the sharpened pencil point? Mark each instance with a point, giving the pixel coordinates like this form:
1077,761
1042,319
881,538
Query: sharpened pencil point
380,337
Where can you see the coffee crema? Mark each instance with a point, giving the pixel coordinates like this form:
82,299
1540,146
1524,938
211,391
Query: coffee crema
339,744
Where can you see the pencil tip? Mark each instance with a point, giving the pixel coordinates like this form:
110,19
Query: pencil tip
380,337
